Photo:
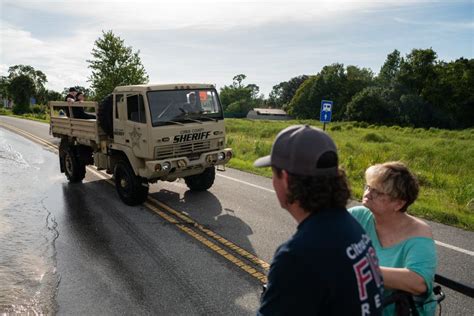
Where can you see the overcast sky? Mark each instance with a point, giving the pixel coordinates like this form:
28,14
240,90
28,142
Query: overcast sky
211,41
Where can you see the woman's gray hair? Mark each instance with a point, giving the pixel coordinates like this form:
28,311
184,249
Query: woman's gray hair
394,178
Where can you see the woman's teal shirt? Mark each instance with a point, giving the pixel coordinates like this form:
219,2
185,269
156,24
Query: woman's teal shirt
418,254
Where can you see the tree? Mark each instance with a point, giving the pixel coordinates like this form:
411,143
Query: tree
357,80
282,93
240,98
327,85
37,76
24,82
21,88
4,83
415,111
451,94
335,83
390,69
45,95
237,80
372,105
417,70
302,104
114,64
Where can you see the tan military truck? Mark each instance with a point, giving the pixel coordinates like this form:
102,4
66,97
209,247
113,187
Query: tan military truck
142,134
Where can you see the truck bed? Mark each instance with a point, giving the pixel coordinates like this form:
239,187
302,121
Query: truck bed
88,129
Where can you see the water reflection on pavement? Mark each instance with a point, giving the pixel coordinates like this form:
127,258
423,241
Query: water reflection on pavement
28,278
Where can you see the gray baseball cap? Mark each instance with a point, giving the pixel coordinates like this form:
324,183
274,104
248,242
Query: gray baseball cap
297,149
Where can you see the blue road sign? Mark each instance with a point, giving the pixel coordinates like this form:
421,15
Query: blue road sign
326,111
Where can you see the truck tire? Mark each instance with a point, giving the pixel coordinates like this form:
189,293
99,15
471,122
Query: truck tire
203,181
104,115
133,190
74,168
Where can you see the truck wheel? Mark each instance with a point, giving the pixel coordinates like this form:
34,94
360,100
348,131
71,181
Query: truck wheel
74,168
104,115
203,181
131,189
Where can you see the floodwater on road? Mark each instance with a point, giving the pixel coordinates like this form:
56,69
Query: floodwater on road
28,278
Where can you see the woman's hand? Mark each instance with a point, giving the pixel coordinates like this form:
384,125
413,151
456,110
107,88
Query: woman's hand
403,279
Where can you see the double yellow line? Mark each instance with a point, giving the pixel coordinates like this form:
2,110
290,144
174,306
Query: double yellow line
240,257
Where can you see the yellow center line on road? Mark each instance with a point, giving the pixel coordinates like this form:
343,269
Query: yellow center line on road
213,246
217,237
166,216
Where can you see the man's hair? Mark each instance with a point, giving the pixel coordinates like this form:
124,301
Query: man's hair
396,180
72,89
315,193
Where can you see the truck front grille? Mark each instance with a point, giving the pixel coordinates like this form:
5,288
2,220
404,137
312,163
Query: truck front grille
180,150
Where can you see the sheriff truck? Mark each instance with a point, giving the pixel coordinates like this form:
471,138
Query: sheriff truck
142,134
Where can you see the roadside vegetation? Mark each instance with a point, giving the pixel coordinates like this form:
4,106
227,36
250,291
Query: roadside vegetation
37,113
442,160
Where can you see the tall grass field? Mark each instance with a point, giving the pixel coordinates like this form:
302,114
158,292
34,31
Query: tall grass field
443,160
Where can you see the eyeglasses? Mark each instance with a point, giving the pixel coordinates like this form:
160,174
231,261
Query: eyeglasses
375,193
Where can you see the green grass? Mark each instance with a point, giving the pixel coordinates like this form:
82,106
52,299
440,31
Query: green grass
442,160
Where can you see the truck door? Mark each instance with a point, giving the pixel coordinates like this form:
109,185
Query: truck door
120,116
136,131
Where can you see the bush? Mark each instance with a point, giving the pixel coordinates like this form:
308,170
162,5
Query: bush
335,128
37,109
374,138
19,109
361,124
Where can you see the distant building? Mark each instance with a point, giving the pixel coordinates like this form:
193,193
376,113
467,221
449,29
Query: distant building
268,114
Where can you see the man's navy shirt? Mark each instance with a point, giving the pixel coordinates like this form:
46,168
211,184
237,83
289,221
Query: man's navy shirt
328,267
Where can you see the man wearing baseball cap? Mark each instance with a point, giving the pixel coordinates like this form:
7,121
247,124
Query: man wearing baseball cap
328,267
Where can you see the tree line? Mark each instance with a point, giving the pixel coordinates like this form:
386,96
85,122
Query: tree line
415,90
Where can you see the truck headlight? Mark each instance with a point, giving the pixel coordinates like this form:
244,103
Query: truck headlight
220,156
166,166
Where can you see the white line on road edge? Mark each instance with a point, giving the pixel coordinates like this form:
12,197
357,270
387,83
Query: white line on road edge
439,243
467,252
248,183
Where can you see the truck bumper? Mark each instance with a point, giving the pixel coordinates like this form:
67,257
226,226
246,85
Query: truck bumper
179,167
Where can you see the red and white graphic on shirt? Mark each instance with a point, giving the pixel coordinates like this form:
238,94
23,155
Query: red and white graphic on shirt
366,270
364,276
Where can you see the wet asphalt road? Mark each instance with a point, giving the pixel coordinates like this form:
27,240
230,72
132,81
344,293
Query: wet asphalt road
115,259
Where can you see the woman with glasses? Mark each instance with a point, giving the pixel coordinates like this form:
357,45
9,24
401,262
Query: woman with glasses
404,244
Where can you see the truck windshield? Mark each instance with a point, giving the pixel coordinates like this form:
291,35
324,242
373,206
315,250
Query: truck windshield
183,106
